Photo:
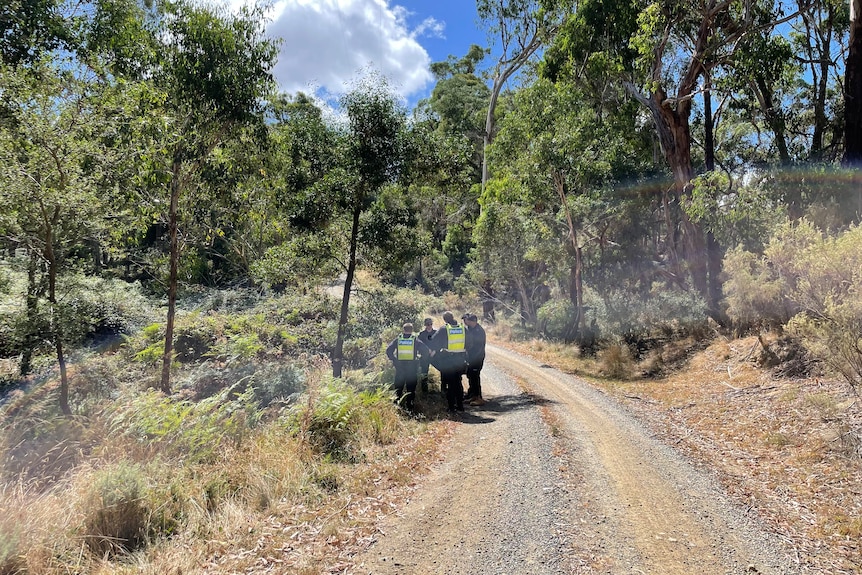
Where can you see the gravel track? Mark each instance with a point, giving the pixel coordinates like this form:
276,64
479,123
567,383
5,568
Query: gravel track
561,479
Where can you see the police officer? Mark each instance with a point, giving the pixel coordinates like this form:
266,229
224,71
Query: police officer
425,362
451,359
475,346
404,353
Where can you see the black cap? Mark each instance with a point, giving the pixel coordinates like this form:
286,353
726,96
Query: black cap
429,321
470,317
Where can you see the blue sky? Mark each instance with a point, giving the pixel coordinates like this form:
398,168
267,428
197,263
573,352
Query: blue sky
329,43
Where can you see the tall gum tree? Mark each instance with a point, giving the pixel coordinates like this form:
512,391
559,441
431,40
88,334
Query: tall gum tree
519,28
661,52
51,161
373,157
214,72
853,100
342,210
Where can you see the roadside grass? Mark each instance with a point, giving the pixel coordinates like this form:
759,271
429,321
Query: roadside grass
279,496
787,448
258,461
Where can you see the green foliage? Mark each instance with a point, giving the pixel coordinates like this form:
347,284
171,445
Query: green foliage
765,289
32,27
387,307
555,319
754,293
336,415
736,214
301,259
115,511
664,312
194,431
828,291
216,64
290,325
810,282
275,383
325,420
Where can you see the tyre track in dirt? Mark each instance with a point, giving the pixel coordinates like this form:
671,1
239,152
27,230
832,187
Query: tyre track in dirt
598,495
665,516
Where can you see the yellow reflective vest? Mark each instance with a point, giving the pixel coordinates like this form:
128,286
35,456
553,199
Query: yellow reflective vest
456,337
406,348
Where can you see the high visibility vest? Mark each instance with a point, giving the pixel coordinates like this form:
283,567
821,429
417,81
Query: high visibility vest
406,348
456,337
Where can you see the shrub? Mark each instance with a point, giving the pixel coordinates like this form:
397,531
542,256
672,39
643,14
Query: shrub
193,430
615,361
556,319
115,512
327,424
821,276
761,289
110,306
385,307
277,383
664,312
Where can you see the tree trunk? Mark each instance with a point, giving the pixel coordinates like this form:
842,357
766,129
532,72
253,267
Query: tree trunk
820,76
338,352
56,320
32,310
678,154
715,253
576,287
489,129
708,128
167,359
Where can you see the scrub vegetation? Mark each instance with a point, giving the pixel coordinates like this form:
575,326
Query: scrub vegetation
198,273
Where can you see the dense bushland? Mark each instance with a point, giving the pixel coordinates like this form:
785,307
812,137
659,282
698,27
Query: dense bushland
255,426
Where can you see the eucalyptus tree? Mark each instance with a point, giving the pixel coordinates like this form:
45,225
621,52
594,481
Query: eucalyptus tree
453,120
661,52
818,39
30,28
373,154
212,74
509,242
287,221
584,149
444,181
853,99
853,90
52,162
519,28
460,99
346,204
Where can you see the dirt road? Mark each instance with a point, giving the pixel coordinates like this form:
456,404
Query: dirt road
560,479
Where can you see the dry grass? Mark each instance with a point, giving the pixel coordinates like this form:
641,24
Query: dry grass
269,503
295,513
787,448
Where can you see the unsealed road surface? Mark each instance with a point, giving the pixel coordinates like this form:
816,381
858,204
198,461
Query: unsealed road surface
560,479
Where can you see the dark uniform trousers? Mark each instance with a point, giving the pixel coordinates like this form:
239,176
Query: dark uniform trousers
450,379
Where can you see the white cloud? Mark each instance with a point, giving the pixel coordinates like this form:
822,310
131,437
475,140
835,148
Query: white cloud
326,44
430,27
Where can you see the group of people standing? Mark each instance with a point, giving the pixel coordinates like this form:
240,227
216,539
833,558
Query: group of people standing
455,349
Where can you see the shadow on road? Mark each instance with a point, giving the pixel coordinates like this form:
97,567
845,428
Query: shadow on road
500,404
